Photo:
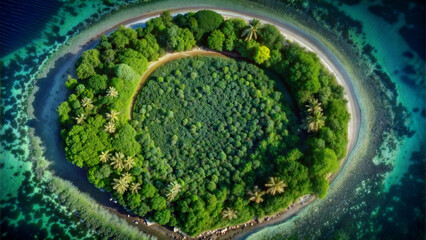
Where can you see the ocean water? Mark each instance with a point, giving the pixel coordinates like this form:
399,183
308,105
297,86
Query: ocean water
379,193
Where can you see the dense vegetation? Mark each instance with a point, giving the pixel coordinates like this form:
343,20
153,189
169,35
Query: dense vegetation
211,143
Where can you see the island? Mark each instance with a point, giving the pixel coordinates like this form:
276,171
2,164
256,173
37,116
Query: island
199,122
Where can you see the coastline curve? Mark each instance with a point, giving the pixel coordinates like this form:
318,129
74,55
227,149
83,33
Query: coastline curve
327,58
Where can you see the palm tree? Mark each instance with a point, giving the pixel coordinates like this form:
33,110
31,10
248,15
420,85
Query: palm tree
256,195
135,187
112,92
129,163
110,127
87,103
117,161
104,157
174,189
112,116
80,118
314,106
314,122
251,31
229,214
275,185
127,177
120,185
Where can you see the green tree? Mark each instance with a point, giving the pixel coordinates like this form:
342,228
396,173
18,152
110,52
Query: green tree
135,187
104,156
118,161
261,54
275,185
314,122
229,214
173,190
208,21
97,82
252,29
125,141
256,195
215,40
148,190
125,72
63,112
158,202
120,185
162,217
109,127
324,162
112,116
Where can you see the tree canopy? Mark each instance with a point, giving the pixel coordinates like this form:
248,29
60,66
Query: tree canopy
212,142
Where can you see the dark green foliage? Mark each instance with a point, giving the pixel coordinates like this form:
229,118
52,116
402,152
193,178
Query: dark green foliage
97,82
162,216
179,39
216,127
271,37
207,21
210,119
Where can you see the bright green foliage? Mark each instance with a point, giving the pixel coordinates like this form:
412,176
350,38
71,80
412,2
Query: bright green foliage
320,187
261,54
63,112
148,46
85,142
88,62
71,83
148,190
118,39
125,141
215,40
125,72
324,162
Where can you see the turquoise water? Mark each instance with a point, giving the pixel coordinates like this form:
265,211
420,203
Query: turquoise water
380,192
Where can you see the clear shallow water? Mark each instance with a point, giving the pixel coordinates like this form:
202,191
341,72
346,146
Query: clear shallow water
371,192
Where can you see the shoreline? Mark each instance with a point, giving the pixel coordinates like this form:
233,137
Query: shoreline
353,107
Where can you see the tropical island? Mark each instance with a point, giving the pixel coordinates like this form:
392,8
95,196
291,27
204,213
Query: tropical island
209,141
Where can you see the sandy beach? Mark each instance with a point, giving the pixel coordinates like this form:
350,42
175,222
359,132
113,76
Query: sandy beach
334,66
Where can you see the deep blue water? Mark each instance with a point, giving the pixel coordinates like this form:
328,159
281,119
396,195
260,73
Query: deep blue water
22,21
384,197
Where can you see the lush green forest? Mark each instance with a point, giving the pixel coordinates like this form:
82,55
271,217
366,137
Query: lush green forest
212,142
